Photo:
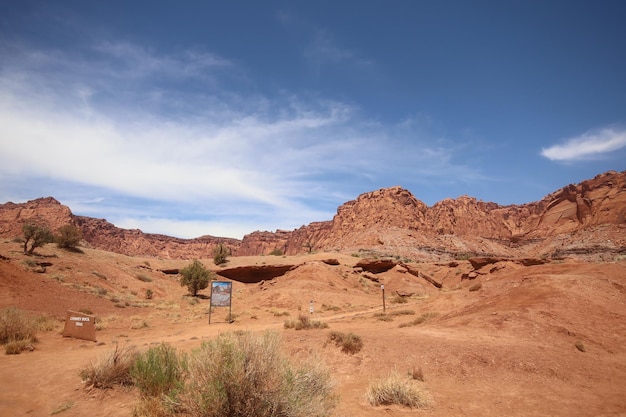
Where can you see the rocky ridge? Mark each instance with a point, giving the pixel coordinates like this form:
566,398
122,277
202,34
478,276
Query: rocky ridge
582,220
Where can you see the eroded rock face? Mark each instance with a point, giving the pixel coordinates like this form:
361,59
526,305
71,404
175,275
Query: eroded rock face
586,218
255,273
375,266
42,211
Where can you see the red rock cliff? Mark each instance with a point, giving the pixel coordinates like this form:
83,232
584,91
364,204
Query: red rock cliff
590,216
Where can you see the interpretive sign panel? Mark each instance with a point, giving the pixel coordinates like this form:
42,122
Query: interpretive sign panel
80,326
220,293
221,296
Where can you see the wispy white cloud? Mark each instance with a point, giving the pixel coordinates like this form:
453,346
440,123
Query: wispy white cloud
320,47
109,132
589,145
323,49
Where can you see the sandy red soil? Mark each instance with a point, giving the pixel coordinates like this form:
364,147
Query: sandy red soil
506,349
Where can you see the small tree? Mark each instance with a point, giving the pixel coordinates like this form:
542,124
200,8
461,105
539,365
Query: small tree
309,245
37,236
195,277
220,253
69,237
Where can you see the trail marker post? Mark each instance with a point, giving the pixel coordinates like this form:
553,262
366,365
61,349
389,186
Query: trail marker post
382,287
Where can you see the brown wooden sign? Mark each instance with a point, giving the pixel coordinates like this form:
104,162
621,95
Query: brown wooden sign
80,326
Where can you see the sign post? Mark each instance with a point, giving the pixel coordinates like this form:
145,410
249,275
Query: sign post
221,296
382,287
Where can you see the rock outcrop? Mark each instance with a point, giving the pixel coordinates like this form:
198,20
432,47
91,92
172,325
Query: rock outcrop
586,219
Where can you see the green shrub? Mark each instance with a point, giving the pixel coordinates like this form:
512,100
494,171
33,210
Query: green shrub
220,253
245,375
17,330
112,369
195,277
276,252
68,237
397,390
158,371
350,343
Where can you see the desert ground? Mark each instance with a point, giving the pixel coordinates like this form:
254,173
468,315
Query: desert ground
501,344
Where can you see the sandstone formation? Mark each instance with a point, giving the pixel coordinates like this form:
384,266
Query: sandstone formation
582,220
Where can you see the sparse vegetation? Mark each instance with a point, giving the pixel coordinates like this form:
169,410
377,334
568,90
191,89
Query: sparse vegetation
475,287
100,291
62,407
398,299
149,294
18,330
421,319
143,278
349,343
388,316
397,390
29,263
195,277
276,252
304,322
139,324
45,323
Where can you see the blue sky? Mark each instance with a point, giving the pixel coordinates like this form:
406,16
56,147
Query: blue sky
210,117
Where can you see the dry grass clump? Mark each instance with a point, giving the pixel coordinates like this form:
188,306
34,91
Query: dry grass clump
304,322
17,330
113,369
421,319
399,299
350,342
397,390
245,375
388,316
